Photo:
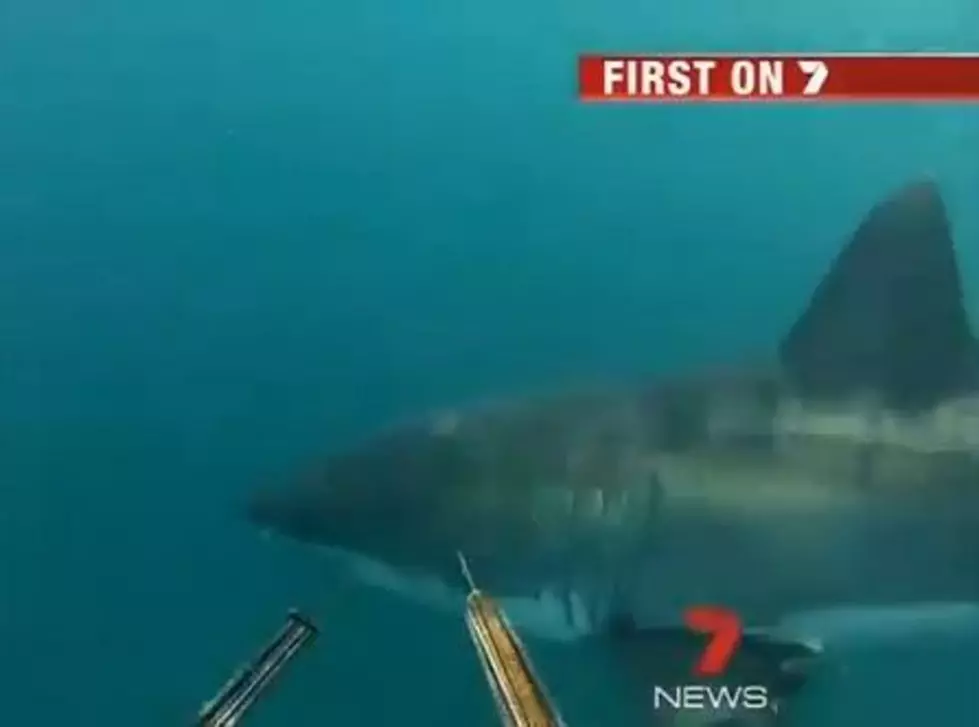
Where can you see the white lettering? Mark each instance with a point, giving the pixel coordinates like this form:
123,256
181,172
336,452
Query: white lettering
724,697
743,78
652,77
771,75
663,697
699,696
764,77
612,75
693,697
704,70
651,74
816,73
754,697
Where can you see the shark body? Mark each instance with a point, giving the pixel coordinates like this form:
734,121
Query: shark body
846,472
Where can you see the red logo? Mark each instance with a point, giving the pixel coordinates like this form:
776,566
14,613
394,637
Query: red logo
724,627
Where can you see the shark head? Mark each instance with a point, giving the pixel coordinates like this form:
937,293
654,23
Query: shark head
761,491
393,511
394,499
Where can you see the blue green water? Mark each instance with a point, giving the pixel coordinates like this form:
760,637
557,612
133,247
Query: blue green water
233,233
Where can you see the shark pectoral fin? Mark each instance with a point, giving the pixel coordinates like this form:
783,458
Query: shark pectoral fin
889,316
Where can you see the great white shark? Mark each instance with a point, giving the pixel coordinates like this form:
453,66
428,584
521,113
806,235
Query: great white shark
843,473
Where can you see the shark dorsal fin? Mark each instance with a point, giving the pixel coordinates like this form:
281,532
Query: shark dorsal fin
888,318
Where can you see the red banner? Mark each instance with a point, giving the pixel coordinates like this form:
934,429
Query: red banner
754,77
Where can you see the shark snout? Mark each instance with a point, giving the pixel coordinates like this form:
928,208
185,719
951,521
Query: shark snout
357,501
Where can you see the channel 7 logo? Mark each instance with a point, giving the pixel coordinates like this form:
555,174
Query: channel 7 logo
713,687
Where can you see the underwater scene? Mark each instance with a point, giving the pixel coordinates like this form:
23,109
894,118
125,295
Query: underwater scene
333,306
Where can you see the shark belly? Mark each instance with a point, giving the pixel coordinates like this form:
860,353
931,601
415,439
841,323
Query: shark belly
551,613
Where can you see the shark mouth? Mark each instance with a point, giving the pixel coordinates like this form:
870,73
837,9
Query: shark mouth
555,614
